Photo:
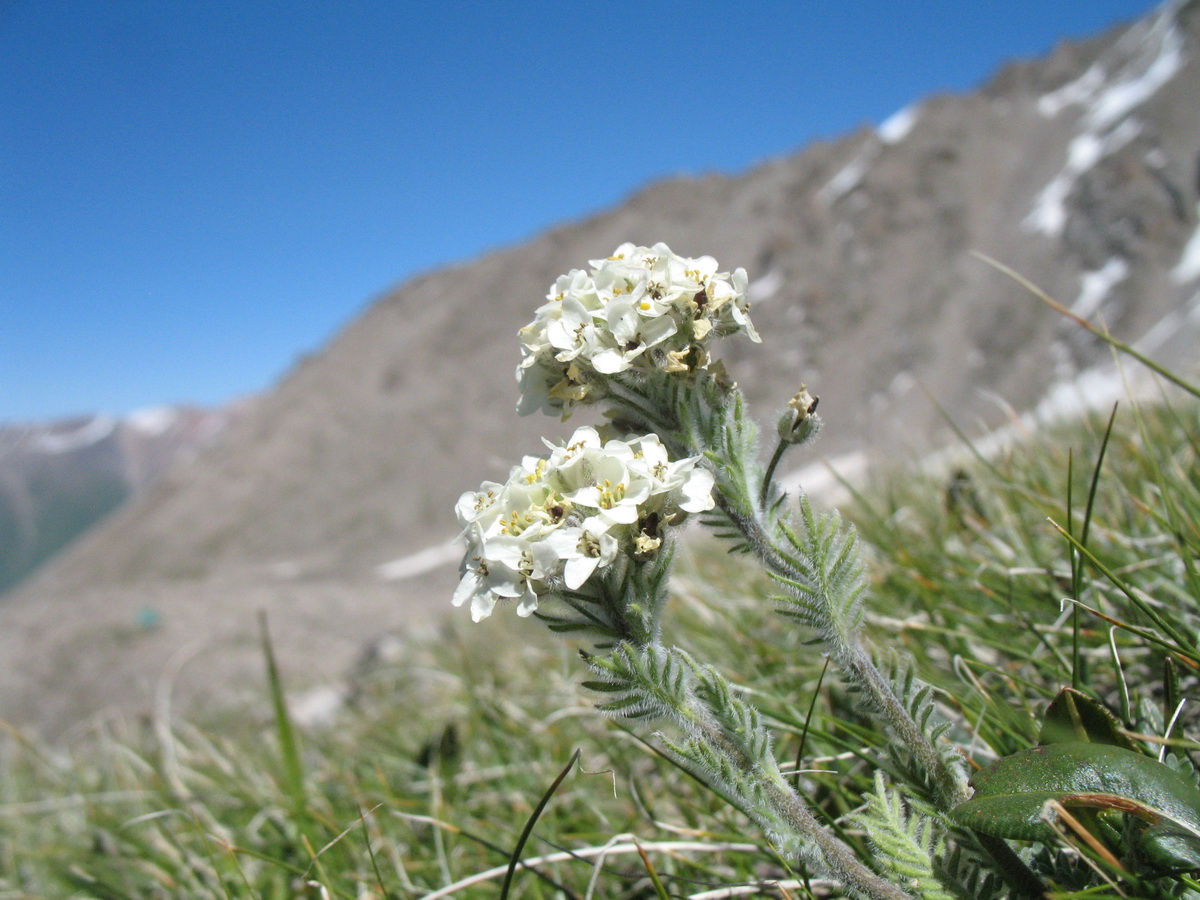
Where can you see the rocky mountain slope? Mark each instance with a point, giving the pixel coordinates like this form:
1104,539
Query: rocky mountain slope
58,479
330,507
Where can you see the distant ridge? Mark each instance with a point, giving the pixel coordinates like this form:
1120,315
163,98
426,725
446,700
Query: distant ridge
59,478
1079,170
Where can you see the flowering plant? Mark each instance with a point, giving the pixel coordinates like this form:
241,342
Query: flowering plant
591,527
583,539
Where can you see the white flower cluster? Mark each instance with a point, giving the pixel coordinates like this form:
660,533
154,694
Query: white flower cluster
642,308
557,520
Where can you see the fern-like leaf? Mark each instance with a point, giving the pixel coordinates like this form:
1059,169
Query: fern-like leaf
905,843
648,681
825,579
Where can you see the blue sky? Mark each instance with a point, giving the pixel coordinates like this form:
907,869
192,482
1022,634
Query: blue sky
193,195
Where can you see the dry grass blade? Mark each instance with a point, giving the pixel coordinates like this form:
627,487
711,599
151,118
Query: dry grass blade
1098,331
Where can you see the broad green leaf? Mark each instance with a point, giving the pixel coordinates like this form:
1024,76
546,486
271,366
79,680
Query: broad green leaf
1075,717
1012,796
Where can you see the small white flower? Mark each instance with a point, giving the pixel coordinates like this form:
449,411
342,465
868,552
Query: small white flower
473,506
729,300
502,568
485,581
585,439
682,485
643,309
629,336
560,519
599,479
583,549
572,331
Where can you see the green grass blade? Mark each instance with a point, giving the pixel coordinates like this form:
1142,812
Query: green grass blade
659,891
812,705
532,821
1182,643
1076,561
289,746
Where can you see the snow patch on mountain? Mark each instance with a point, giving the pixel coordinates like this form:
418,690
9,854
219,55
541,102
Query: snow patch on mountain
850,176
420,562
1049,213
1095,286
153,420
1091,389
1170,325
766,287
898,125
1155,54
891,131
93,431
1188,267
1145,58
1073,93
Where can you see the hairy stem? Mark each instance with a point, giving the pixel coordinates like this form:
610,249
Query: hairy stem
790,807
743,500
847,650
949,783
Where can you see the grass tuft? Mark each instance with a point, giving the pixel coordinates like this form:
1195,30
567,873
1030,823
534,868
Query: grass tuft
1067,560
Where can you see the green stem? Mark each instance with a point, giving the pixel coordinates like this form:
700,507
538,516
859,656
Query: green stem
847,649
948,782
739,498
769,477
788,805
642,412
840,858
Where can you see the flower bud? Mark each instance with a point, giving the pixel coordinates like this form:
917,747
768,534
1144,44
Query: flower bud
800,424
